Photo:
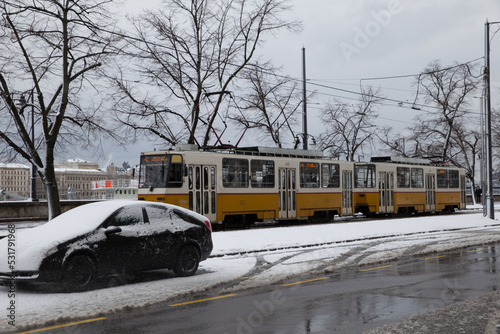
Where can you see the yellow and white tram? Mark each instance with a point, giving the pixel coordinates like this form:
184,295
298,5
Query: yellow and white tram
259,183
390,185
250,184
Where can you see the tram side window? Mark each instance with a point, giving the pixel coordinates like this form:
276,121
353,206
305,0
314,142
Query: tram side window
330,175
364,176
175,176
454,179
417,178
234,173
190,177
309,175
442,178
403,174
262,173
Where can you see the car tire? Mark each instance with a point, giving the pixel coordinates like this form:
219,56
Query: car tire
79,273
187,262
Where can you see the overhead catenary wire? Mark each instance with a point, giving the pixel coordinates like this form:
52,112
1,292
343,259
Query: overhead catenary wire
315,82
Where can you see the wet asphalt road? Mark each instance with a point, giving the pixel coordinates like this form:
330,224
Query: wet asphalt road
353,300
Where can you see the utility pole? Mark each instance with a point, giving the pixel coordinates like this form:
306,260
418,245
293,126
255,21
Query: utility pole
490,204
304,100
483,154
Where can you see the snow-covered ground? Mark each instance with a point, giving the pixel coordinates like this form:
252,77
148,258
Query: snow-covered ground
266,255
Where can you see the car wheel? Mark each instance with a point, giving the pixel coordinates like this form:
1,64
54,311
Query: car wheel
79,273
187,262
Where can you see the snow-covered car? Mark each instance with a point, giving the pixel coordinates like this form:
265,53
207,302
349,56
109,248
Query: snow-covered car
107,238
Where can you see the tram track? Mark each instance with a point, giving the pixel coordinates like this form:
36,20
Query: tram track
220,227
348,241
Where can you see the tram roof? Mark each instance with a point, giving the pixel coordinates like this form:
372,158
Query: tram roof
413,161
262,151
279,152
401,160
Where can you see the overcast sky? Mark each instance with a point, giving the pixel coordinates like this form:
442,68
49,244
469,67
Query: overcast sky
347,41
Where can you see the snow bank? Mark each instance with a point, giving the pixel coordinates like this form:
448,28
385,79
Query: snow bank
252,240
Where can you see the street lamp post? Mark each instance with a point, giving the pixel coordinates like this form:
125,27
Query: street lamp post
33,167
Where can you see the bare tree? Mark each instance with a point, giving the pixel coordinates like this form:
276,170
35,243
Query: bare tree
49,51
186,51
399,143
270,107
447,90
464,148
467,143
443,131
495,132
349,127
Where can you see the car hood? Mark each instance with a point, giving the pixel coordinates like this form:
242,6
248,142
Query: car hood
28,247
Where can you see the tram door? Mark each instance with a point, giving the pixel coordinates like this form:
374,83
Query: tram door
430,192
386,192
287,192
202,190
347,192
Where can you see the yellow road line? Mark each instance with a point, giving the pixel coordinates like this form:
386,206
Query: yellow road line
202,300
475,250
375,268
246,277
434,257
306,281
60,326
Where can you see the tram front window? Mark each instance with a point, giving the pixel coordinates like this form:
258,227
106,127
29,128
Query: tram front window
154,171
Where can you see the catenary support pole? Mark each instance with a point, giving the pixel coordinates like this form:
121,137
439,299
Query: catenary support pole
489,156
304,101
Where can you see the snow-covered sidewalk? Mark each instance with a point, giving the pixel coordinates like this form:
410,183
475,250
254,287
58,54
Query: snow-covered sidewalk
329,234
286,251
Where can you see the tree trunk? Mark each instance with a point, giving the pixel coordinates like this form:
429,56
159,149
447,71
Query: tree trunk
50,181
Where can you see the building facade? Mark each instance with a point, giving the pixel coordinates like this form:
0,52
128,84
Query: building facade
14,182
76,179
120,184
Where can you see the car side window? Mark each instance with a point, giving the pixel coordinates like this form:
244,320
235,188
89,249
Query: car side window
162,219
156,214
128,216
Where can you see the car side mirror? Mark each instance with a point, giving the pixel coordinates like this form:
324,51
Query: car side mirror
112,230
